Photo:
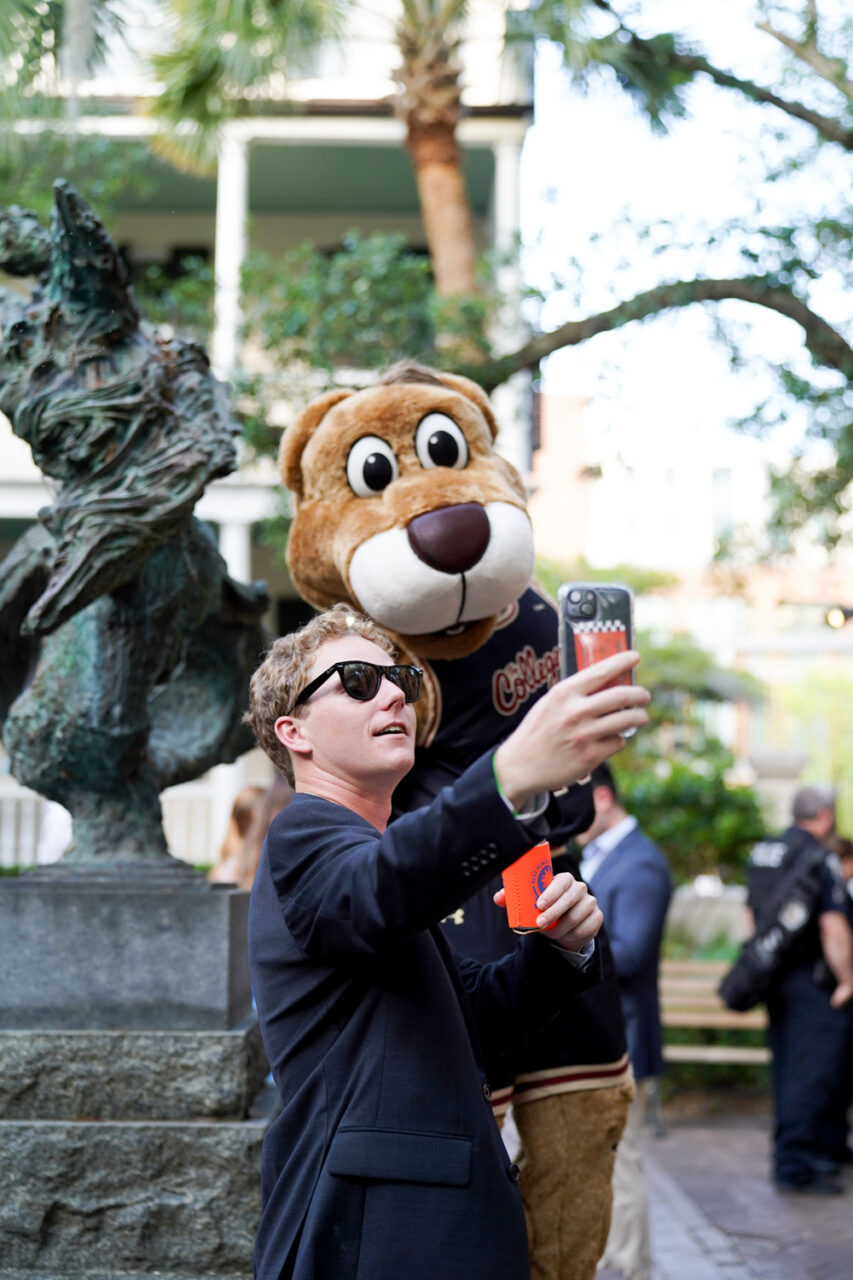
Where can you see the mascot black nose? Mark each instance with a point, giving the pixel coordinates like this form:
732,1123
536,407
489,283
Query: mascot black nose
451,539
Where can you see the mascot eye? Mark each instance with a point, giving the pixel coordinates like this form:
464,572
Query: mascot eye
371,466
439,442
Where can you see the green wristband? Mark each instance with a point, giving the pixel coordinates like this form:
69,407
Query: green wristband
540,801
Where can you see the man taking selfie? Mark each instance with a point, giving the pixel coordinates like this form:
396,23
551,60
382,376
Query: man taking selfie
385,1161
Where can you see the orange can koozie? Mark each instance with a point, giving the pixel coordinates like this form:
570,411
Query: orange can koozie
524,881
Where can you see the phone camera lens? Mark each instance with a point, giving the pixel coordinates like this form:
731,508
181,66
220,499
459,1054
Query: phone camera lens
587,610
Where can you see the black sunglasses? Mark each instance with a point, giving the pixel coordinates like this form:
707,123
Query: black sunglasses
361,680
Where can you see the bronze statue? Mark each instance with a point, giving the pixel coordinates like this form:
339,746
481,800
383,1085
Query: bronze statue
126,648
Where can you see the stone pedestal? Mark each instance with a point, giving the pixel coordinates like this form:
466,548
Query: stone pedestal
132,1095
85,951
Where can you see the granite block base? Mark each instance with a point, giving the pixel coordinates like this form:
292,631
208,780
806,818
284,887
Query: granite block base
80,952
133,1101
130,1075
85,1200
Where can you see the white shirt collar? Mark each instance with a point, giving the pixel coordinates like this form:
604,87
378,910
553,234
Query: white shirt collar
597,850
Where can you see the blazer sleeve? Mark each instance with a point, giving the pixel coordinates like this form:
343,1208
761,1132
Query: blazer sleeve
634,915
345,890
517,997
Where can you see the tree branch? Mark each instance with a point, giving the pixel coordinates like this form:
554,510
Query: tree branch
829,69
827,126
825,344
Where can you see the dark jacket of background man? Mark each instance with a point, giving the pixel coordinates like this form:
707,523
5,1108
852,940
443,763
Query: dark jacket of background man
633,885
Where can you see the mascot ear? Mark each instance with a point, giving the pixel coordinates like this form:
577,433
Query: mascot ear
472,392
295,438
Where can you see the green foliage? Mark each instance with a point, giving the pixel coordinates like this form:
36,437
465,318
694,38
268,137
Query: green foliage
251,391
675,775
274,530
596,43
719,1082
682,674
361,306
679,944
101,169
324,319
179,296
704,825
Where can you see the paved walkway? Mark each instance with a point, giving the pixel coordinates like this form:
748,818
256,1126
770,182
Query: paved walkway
716,1215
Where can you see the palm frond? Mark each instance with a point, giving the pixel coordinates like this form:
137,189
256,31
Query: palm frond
226,57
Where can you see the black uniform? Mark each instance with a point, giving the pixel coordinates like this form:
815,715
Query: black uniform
834,1134
807,1036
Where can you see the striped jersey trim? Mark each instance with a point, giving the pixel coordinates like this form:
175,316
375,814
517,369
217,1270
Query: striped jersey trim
501,1098
534,1085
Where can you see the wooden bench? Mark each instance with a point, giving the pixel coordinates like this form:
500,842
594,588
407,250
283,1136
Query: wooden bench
689,1000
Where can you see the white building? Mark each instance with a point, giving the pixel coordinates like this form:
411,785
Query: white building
326,160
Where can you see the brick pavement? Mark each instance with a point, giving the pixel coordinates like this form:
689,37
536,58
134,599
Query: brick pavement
717,1216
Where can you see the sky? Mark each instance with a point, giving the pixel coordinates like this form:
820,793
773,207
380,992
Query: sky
591,158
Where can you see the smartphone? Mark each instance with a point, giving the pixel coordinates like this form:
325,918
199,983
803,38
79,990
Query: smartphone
596,621
523,881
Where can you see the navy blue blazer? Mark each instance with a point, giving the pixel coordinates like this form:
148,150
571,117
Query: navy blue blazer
385,1161
633,886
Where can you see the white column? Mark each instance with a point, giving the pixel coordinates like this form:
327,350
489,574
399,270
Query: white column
235,547
506,221
511,402
232,186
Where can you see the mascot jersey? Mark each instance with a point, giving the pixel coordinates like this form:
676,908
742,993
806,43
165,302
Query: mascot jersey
479,700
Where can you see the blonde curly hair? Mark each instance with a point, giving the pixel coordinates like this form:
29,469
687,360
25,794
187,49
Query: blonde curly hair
282,675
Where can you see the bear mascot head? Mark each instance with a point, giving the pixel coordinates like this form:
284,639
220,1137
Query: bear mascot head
403,508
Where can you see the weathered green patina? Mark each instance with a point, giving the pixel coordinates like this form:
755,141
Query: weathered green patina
126,648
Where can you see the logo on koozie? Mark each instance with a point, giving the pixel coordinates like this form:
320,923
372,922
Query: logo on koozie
541,877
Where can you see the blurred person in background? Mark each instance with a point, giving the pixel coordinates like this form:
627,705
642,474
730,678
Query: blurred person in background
239,821
813,981
253,810
631,881
834,1145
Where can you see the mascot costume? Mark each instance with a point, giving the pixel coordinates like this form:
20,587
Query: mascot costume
403,509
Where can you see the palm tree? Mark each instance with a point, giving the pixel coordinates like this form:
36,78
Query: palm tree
221,51
226,56
47,44
429,102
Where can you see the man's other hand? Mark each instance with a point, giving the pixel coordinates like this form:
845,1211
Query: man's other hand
841,995
570,915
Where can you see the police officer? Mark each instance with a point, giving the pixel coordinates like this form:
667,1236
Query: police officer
812,982
835,1137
